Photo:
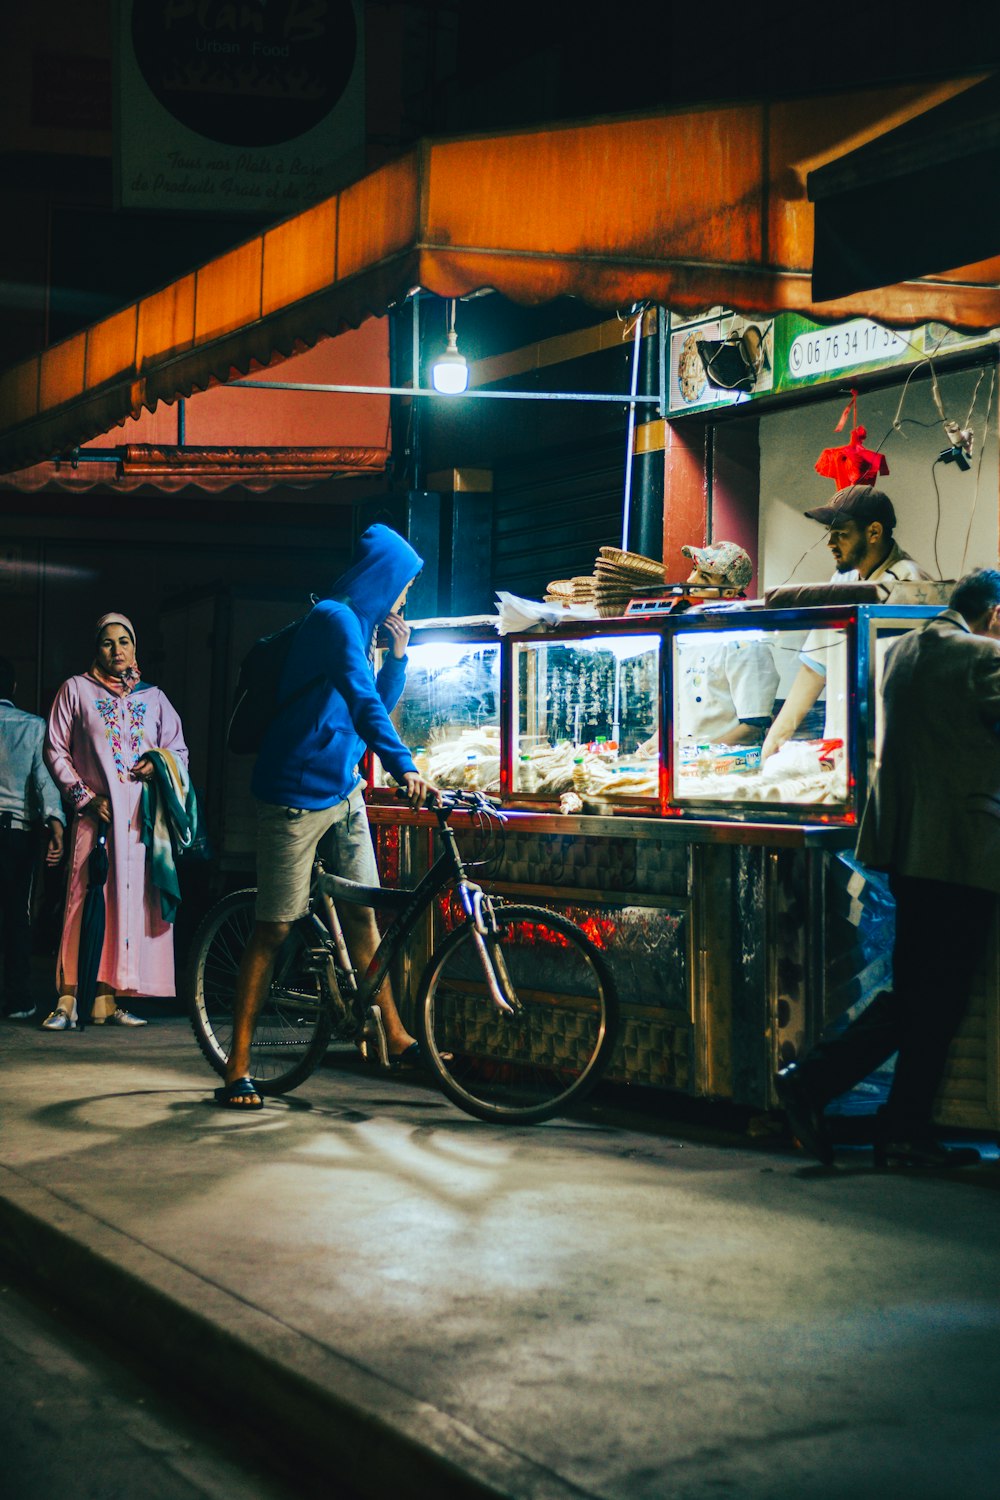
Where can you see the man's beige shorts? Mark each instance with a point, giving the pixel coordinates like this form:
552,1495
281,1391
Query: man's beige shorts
287,842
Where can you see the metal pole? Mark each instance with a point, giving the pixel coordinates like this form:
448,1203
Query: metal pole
630,434
415,405
405,390
647,519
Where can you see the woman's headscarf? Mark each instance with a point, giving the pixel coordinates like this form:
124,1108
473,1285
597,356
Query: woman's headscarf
127,681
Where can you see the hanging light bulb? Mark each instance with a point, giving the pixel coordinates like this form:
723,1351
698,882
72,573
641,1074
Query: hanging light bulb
449,372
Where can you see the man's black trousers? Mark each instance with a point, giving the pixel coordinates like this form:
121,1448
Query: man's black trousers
941,935
18,849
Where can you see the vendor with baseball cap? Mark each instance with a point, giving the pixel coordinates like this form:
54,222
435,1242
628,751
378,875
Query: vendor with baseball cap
727,682
720,565
860,523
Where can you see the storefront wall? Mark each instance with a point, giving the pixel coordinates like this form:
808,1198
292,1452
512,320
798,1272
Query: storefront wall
792,548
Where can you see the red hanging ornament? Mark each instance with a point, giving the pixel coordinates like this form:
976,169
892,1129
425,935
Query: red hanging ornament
853,463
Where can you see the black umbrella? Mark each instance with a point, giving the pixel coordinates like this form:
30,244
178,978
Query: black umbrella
92,924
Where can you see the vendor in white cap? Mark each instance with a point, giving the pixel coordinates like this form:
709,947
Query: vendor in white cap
726,682
860,523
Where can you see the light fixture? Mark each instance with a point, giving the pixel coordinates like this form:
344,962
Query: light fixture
449,372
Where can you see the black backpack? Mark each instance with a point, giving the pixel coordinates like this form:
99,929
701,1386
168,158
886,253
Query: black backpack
256,700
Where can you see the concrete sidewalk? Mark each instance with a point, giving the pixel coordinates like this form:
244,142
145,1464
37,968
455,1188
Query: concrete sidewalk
423,1304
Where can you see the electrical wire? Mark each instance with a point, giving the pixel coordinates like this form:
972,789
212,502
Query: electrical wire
628,323
972,403
899,421
897,426
489,843
811,548
937,523
925,359
487,835
979,467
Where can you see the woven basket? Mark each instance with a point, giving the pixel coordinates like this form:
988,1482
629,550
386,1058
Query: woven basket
562,588
648,567
612,573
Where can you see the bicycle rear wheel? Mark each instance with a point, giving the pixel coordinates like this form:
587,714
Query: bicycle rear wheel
295,1023
527,1066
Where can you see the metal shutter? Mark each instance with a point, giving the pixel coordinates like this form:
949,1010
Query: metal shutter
553,511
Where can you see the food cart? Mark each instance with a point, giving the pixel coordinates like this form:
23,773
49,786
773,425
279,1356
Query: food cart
721,889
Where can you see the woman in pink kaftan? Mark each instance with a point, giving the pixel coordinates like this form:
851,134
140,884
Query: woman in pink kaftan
101,724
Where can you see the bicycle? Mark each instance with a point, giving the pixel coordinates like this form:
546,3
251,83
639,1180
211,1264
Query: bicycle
516,1009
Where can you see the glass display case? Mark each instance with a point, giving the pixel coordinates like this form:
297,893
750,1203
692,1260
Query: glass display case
812,673
665,715
586,714
449,712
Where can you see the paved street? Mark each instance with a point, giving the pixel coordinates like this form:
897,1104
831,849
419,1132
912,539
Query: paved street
78,1419
427,1304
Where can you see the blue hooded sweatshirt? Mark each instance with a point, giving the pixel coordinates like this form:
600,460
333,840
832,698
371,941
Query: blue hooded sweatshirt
310,753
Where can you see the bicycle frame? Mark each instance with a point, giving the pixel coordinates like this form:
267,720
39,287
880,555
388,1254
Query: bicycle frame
409,905
499,1055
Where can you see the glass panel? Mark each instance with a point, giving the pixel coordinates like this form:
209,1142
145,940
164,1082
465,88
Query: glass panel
887,632
729,686
587,717
449,714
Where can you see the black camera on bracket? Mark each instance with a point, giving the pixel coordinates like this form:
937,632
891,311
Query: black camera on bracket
954,456
960,451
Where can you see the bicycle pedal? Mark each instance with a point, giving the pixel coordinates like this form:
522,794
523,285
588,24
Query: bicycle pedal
373,1042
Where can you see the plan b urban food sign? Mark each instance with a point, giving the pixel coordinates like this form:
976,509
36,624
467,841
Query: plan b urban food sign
252,106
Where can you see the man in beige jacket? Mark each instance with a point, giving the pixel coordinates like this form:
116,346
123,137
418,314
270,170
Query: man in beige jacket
933,822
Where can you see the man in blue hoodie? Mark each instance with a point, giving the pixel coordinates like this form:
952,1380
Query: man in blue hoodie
308,790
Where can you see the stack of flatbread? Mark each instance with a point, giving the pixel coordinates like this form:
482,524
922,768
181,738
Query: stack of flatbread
617,577
620,576
559,591
570,591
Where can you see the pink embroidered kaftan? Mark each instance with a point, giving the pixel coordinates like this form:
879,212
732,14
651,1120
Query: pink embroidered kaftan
94,739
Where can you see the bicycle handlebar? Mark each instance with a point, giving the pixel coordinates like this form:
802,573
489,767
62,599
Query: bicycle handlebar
455,801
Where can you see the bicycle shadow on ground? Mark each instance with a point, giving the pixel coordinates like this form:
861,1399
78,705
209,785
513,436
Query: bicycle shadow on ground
447,1158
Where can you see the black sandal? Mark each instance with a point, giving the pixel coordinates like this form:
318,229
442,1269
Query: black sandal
232,1095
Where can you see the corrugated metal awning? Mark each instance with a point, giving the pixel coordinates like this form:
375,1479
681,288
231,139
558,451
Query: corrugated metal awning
687,209
935,175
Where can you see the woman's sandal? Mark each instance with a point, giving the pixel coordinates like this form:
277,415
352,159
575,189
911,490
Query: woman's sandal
238,1095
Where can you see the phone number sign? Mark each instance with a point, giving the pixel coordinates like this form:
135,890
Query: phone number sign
823,351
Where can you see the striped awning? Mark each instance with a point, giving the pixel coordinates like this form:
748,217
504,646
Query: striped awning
686,209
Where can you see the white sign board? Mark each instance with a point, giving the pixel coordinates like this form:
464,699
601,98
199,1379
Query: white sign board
843,347
237,106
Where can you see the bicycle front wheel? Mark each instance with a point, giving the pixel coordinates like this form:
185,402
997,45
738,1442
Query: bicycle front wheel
295,1023
531,1062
